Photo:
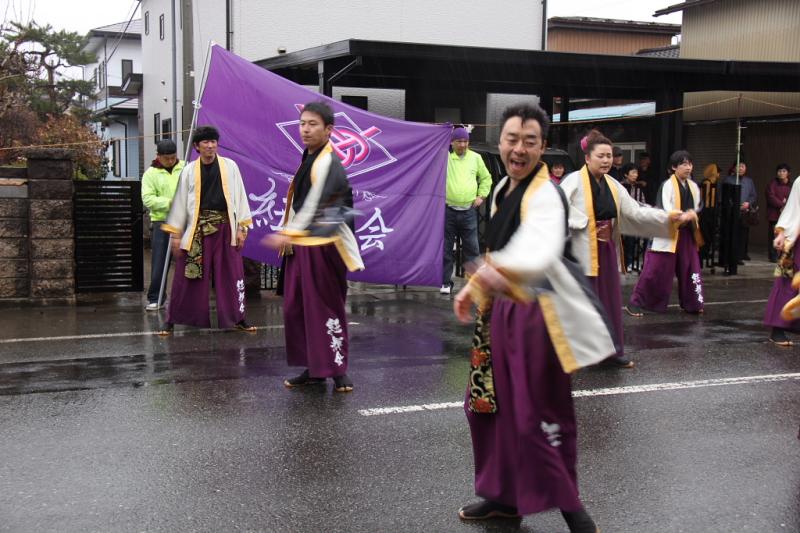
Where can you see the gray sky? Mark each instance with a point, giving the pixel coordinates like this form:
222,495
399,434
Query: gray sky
71,15
83,15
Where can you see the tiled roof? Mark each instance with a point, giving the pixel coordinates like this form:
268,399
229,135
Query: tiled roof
672,51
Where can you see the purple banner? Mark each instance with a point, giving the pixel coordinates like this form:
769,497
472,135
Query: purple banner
397,169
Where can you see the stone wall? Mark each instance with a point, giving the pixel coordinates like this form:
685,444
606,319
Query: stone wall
36,229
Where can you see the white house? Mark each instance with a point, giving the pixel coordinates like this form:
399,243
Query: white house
258,29
117,77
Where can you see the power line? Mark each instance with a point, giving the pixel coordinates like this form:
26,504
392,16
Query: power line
121,35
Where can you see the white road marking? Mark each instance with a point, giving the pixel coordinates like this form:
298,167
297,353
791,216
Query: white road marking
706,304
678,385
125,334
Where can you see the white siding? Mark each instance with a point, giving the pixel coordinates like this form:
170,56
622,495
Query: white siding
157,73
262,26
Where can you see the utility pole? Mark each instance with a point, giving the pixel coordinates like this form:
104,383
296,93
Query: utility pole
738,136
176,125
188,71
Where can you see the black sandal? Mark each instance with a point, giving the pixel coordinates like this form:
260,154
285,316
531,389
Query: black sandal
342,383
302,379
166,329
485,509
244,326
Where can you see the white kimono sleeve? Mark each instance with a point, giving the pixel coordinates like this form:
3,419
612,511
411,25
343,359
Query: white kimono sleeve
243,215
178,217
572,187
641,220
790,216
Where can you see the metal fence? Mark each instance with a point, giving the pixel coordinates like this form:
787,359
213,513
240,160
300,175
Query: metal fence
108,236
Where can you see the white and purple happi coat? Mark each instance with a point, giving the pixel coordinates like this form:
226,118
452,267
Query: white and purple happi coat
676,256
222,261
525,452
601,260
315,268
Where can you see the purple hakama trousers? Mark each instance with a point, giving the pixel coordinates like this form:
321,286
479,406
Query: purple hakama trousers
188,302
525,453
606,286
315,324
654,287
782,292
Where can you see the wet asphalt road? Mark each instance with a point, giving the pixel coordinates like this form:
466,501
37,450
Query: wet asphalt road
131,432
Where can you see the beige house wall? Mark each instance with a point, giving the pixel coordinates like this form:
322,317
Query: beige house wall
745,30
602,42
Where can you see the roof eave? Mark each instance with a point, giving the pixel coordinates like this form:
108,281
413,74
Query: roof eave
680,7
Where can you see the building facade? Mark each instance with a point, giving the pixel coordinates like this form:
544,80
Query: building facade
257,29
116,106
752,30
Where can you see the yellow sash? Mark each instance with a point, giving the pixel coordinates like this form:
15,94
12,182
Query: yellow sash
592,224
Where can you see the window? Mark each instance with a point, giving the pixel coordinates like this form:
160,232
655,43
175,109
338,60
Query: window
156,127
127,68
116,158
147,23
356,101
96,79
101,75
166,129
161,27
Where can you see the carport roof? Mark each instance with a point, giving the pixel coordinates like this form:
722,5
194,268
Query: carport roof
402,65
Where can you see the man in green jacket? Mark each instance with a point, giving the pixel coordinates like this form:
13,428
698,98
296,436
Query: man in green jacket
468,185
158,187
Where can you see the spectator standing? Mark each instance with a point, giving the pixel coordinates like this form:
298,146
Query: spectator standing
632,245
648,177
616,165
777,195
748,207
711,196
158,187
557,172
468,185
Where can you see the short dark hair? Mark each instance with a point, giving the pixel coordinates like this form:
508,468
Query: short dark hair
642,155
205,133
322,109
166,147
558,163
679,157
627,167
527,112
783,166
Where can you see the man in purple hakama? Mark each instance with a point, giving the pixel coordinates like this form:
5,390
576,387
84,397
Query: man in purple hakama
208,221
601,211
538,321
319,247
786,243
676,256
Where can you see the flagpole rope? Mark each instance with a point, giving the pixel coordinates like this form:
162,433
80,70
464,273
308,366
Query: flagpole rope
567,123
